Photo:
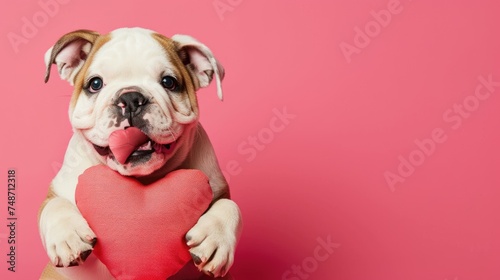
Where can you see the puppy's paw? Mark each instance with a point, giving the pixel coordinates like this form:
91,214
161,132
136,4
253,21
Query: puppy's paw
213,239
69,241
211,246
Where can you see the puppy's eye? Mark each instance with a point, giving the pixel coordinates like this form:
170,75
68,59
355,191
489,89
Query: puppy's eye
169,83
95,85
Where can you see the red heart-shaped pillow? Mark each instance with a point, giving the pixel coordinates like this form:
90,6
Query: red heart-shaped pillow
140,228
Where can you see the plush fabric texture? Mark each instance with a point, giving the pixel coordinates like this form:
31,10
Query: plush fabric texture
140,228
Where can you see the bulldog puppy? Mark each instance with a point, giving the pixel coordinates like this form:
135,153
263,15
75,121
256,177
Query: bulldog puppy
134,77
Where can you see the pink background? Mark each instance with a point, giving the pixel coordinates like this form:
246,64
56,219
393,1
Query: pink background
322,174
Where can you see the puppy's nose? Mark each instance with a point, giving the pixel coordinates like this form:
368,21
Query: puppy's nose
131,103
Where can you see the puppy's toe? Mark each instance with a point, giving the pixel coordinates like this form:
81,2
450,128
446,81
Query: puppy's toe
212,247
86,234
197,260
64,254
196,236
219,263
213,239
203,253
69,242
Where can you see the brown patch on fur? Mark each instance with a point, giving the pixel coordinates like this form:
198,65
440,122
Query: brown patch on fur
175,57
80,76
92,37
82,34
50,273
50,195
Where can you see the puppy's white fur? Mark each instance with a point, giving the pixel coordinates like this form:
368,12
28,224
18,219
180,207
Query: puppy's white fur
135,58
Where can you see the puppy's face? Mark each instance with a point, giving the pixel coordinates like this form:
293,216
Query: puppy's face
135,77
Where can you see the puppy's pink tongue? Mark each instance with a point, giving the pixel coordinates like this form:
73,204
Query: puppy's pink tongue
124,142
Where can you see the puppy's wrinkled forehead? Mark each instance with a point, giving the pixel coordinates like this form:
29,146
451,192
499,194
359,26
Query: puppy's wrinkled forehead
132,53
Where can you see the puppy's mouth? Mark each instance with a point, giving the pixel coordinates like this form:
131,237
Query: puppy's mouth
144,150
132,145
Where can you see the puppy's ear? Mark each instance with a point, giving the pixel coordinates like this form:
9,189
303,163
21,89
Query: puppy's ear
200,61
69,54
